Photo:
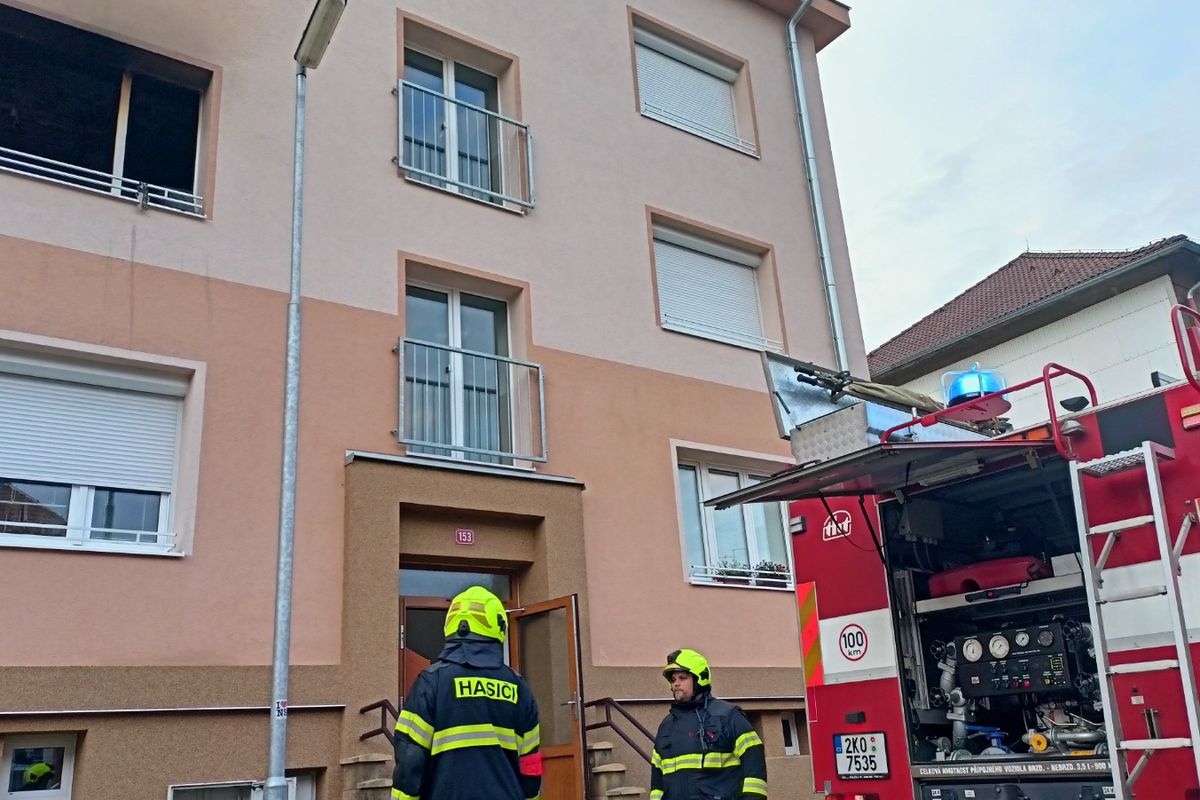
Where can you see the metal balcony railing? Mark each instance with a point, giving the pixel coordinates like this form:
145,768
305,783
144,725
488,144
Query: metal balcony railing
741,576
465,404
454,145
146,195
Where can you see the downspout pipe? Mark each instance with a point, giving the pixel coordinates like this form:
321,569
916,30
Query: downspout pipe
814,190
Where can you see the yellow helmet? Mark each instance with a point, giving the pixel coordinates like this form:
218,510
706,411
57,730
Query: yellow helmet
691,662
481,612
35,772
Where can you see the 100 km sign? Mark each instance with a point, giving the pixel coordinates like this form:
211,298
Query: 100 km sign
852,641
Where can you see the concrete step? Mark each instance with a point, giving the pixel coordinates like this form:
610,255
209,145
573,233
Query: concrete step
599,753
625,791
606,777
366,758
376,783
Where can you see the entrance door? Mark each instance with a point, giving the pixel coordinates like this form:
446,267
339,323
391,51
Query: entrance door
545,649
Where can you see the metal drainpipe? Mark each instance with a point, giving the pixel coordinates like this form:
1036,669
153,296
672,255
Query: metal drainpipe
814,190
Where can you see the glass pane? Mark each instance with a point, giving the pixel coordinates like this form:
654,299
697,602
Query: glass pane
36,769
39,509
119,515
427,315
214,793
693,529
427,370
447,583
770,539
546,667
424,631
730,533
487,383
478,133
424,114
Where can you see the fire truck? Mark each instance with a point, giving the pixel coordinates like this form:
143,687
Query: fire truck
991,613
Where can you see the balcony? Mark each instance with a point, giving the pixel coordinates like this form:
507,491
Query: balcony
494,161
146,195
462,404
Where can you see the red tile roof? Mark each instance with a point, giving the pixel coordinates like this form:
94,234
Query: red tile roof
1027,279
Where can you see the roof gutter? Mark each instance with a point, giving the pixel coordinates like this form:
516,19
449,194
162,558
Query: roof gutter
1046,302
814,189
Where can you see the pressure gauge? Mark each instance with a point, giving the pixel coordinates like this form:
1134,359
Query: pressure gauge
998,646
1046,638
1021,638
972,650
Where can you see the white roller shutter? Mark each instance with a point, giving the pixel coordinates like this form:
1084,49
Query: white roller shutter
66,432
709,296
684,95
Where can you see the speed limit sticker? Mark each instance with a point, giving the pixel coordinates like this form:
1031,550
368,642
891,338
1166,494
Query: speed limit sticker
852,641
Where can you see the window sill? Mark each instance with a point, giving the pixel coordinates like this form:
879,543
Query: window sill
454,192
112,548
740,584
766,344
746,148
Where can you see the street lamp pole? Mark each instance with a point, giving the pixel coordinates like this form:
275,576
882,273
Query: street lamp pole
317,33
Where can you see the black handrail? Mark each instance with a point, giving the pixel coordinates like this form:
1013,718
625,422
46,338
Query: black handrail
387,715
610,705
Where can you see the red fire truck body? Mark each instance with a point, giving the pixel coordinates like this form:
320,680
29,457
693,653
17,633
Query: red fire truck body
961,639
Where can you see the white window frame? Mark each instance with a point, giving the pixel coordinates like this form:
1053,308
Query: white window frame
707,571
454,182
67,741
791,720
742,258
458,420
687,56
79,529
257,788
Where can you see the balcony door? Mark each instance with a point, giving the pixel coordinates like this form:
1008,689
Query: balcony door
457,386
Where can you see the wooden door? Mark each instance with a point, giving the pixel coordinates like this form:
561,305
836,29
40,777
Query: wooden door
545,650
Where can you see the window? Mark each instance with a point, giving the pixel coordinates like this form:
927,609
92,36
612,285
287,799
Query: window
708,289
744,545
38,767
302,789
82,110
463,395
688,89
794,733
88,456
454,136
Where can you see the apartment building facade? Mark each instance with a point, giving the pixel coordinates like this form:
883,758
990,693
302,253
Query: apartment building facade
542,255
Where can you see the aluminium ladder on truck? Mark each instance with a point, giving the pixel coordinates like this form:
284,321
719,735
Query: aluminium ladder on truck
1145,459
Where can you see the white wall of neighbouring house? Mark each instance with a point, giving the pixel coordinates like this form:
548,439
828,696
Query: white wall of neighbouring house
1117,343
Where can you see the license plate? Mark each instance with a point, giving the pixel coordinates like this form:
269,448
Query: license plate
861,755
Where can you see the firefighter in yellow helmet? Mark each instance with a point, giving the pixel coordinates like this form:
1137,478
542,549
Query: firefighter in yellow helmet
705,748
469,726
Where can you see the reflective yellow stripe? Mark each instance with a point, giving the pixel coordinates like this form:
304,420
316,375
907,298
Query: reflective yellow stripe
530,741
473,736
656,794
754,786
697,761
745,742
415,728
399,795
655,759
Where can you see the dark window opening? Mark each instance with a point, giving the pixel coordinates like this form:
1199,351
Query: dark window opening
97,106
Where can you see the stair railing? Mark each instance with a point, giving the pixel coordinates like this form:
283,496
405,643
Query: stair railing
387,719
609,705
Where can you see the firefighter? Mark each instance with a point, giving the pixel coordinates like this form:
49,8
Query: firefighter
705,749
469,729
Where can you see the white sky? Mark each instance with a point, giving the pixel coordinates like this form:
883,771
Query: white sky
963,129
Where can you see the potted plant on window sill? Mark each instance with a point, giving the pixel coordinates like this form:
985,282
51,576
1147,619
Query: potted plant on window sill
770,573
729,571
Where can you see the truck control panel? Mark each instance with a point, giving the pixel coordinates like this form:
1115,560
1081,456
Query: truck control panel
1015,661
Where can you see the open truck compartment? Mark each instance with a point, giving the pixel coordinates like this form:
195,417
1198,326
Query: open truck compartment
996,652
